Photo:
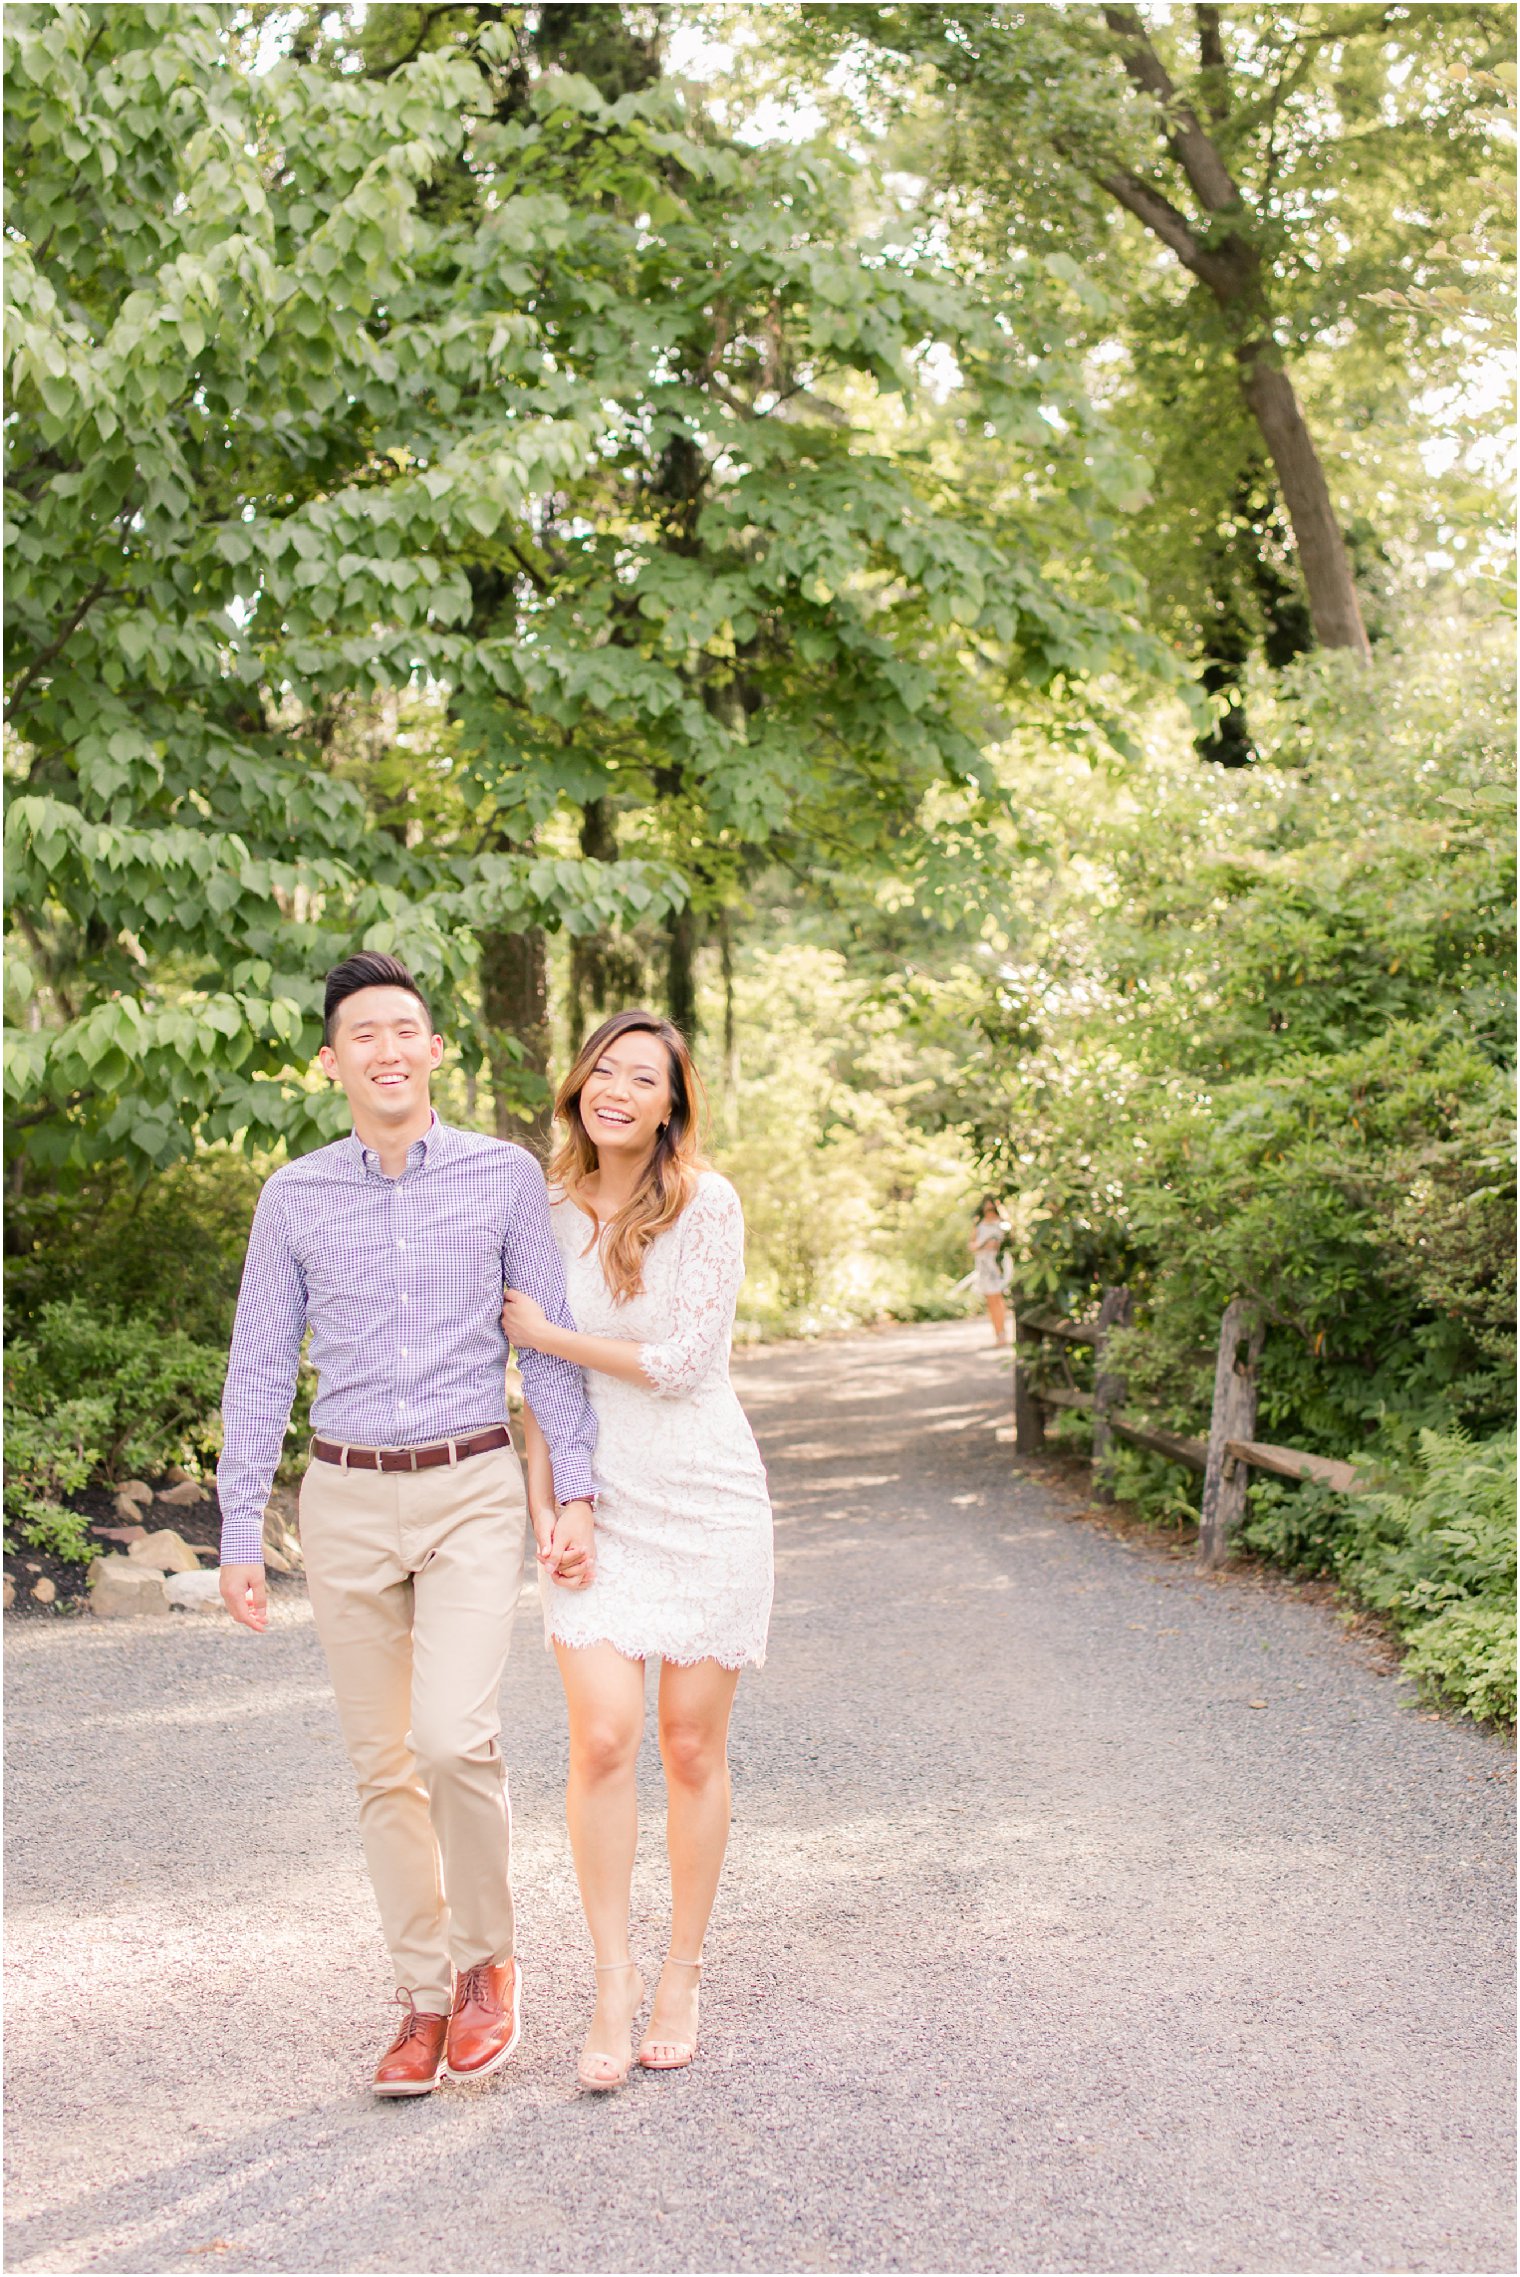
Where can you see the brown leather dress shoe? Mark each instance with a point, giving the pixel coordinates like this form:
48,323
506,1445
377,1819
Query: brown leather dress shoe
487,2021
413,2064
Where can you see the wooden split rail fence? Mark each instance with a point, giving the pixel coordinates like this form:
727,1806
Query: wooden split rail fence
1228,1455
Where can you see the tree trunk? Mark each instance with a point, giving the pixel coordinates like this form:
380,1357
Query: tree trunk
1226,257
680,970
514,1001
1321,548
588,951
730,1028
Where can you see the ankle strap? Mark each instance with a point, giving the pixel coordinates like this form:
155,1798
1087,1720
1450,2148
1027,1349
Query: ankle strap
600,1966
671,1962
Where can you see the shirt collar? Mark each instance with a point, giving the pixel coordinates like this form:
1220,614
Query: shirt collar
432,1143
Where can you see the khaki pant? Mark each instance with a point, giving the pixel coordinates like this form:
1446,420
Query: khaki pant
414,1577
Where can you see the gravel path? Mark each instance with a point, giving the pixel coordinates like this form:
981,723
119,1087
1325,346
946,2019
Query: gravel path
1044,1944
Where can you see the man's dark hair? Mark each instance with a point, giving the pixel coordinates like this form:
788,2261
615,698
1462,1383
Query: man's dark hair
369,969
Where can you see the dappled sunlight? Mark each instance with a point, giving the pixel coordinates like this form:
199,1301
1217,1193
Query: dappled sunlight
957,553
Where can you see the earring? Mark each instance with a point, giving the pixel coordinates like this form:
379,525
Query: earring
664,1127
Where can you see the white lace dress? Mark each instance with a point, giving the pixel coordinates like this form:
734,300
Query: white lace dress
683,1520
987,1237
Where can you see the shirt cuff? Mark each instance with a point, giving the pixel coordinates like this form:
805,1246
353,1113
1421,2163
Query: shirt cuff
242,1541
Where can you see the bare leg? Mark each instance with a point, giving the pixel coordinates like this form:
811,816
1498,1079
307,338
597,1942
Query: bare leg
604,1693
997,1313
694,1710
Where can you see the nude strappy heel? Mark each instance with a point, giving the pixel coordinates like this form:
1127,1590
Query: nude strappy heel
608,2071
669,2055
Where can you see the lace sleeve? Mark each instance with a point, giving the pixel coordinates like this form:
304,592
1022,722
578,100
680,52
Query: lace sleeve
708,1276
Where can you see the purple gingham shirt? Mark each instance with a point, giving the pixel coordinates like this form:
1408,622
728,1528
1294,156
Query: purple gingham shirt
400,1281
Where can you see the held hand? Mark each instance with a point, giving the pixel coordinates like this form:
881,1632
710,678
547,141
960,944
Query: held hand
549,1554
571,1557
525,1321
543,1515
245,1596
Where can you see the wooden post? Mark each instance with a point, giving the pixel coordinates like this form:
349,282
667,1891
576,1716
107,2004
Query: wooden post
1028,1421
1235,1383
1108,1391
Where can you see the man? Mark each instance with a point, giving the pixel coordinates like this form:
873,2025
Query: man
393,1246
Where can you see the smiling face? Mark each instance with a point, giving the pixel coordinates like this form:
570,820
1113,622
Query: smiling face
626,1096
383,1055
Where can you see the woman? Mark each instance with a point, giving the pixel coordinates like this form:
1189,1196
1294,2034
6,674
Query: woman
653,1244
988,1234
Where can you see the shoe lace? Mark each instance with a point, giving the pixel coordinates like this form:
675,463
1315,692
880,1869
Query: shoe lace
411,2023
475,1984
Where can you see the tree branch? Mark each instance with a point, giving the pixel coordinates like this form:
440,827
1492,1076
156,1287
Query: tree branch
428,17
1207,172
36,1115
534,576
1163,220
1211,59
45,656
45,959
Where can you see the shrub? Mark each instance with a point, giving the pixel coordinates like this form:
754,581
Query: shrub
47,1456
169,1252
1161,1492
1467,1654
1251,1038
1295,1526
1437,1557
1450,1536
90,1395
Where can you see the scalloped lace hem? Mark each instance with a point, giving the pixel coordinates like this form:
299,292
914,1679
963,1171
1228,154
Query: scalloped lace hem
748,1656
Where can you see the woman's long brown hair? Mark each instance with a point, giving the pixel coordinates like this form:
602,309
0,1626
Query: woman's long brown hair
670,1177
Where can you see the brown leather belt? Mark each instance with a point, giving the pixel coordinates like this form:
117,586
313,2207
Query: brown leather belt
411,1458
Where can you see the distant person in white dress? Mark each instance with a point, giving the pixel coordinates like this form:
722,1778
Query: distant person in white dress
653,1248
988,1235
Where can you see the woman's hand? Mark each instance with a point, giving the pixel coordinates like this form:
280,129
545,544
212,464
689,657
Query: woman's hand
525,1321
567,1544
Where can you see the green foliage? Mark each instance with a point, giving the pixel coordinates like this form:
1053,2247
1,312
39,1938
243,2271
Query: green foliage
334,382
167,1254
1248,170
1299,1527
1437,1557
1251,1037
853,1208
120,1301
1449,1539
116,1395
51,1452
1164,1493
1467,1655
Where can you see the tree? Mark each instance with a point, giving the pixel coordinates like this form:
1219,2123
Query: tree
1268,1050
240,482
740,628
1279,160
448,375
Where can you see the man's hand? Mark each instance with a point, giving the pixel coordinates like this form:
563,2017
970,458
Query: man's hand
543,1515
244,1595
571,1554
